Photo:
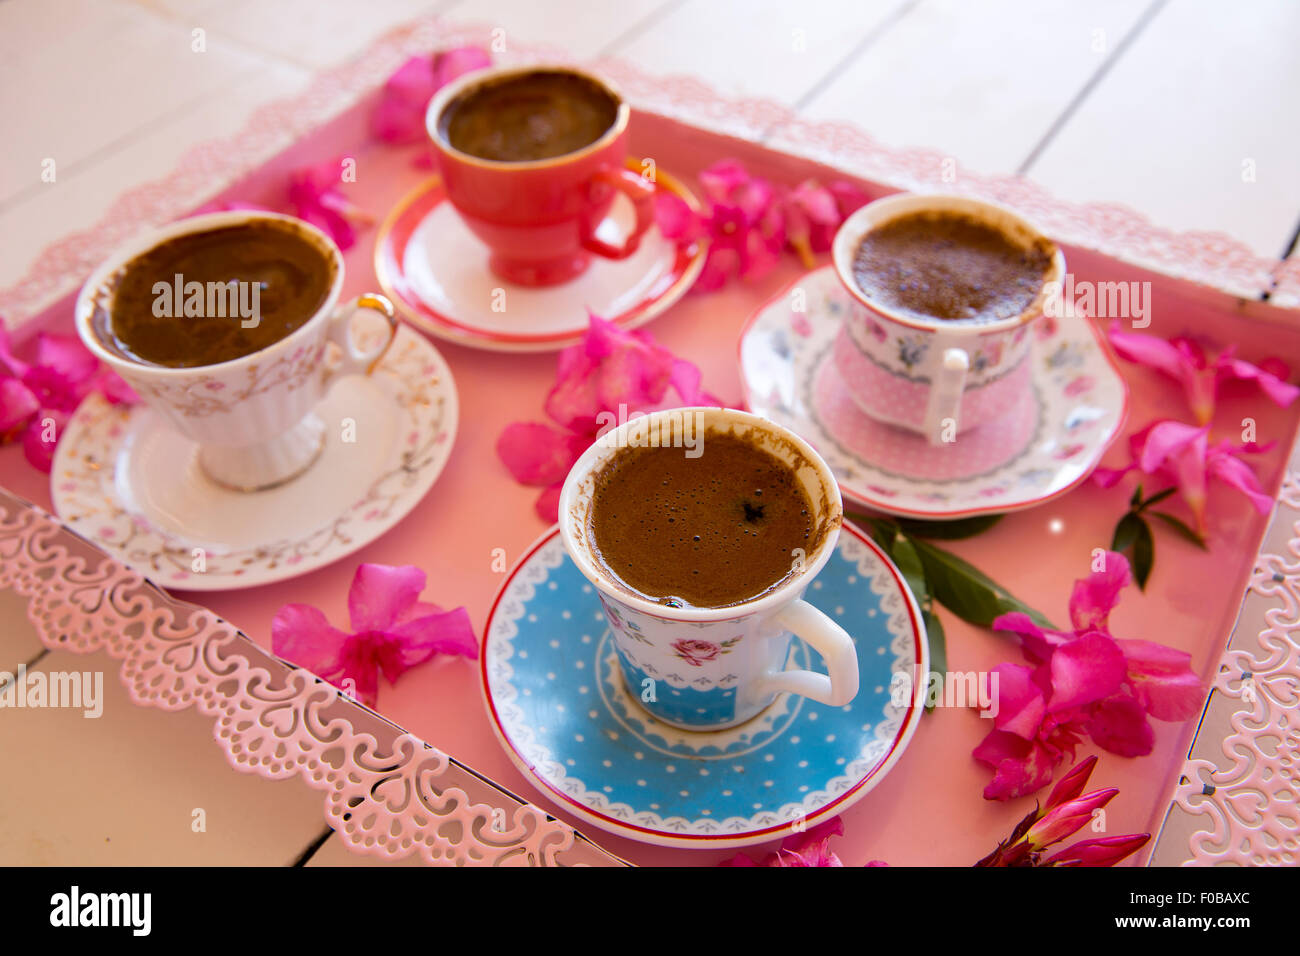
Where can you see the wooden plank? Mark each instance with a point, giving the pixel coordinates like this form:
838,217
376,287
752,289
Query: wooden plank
763,48
581,30
1193,125
979,81
68,94
84,193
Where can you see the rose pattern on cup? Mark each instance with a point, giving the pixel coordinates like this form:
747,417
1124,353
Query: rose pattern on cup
697,653
711,668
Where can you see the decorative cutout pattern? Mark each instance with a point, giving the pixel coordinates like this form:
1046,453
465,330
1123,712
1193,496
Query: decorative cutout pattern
1252,796
385,795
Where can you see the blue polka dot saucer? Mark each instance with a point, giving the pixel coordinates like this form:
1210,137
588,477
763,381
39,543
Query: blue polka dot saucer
558,703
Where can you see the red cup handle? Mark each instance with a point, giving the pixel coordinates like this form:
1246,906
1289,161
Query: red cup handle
636,188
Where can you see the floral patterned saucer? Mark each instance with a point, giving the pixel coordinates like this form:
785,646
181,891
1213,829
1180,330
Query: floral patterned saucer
559,706
1039,451
435,271
132,485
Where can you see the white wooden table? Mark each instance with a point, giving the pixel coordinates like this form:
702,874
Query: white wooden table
1173,107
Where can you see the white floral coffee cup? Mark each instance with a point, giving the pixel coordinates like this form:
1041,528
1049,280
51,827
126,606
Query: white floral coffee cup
713,668
252,417
937,377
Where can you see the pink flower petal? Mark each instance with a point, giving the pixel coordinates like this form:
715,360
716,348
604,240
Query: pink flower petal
1280,392
17,404
1066,818
451,64
1021,703
447,633
1071,785
1038,643
547,505
1120,725
537,454
1095,596
381,593
1020,766
1163,680
39,451
1104,851
1231,470
676,220
66,356
610,367
1085,670
301,634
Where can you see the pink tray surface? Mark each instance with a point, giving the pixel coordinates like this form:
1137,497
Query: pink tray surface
929,810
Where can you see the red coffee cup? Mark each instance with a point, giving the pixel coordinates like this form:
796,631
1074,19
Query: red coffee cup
539,218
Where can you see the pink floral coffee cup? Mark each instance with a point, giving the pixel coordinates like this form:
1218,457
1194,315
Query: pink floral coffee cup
712,668
252,417
934,376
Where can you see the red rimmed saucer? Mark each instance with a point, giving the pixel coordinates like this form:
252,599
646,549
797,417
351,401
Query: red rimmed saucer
435,271
1040,451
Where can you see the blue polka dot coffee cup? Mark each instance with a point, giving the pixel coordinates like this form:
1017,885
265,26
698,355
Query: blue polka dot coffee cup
700,668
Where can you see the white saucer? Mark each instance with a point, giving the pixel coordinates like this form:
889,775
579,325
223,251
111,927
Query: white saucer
1042,449
436,272
131,484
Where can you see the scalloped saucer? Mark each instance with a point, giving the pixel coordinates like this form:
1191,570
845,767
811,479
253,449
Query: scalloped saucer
132,485
559,706
1040,451
435,271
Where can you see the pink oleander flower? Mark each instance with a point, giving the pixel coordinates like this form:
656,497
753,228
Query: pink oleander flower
398,118
1184,360
392,631
610,374
316,194
37,398
1083,682
813,213
748,221
1066,812
802,849
1182,455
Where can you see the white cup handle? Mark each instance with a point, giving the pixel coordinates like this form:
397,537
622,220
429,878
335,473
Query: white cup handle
832,643
944,407
355,361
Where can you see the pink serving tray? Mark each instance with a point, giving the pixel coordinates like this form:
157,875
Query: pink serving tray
929,810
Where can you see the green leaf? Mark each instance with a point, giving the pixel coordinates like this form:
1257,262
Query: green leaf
1156,498
1182,528
909,564
966,591
1144,555
938,643
949,530
1136,500
1126,532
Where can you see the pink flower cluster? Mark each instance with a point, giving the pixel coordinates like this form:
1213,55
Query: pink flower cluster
392,631
399,116
1081,683
749,221
610,372
1183,454
1068,810
809,848
315,194
37,398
